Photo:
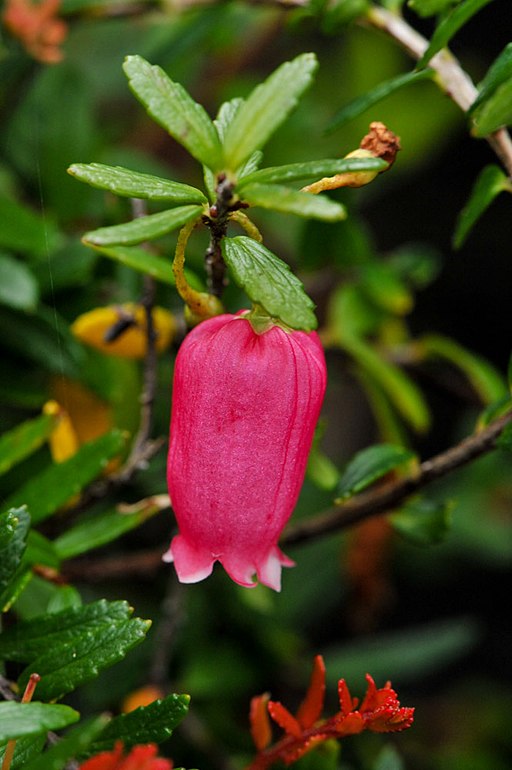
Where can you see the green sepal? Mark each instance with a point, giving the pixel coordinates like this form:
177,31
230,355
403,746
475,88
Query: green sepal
259,116
172,107
370,465
153,723
269,282
58,483
18,720
133,184
143,228
24,439
422,521
290,201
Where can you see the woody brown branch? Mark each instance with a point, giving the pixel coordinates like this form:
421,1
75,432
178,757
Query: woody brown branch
383,500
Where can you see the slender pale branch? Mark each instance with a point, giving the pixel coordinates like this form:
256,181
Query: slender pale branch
385,499
449,75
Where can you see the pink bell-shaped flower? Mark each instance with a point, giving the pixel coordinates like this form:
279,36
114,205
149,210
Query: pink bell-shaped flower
245,405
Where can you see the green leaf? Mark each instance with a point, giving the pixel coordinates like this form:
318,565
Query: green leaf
145,262
498,73
504,440
266,108
73,744
18,287
22,230
24,439
400,389
142,229
495,112
389,759
95,530
64,667
314,169
25,750
169,104
369,99
32,638
21,719
486,380
14,526
450,25
40,550
423,522
384,287
269,282
154,723
285,199
369,465
133,184
430,7
54,486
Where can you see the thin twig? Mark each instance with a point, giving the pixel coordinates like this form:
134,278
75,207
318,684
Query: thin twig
449,74
387,498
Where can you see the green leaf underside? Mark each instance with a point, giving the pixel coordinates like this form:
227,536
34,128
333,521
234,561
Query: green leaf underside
73,744
142,229
287,200
97,530
406,397
64,667
154,723
315,169
133,184
14,526
495,112
169,104
490,182
362,103
55,485
485,379
32,638
423,522
269,282
21,719
450,25
266,108
370,465
499,71
24,439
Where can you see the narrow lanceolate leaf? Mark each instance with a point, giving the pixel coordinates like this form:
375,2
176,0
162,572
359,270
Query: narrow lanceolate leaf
498,73
491,181
269,282
450,25
287,200
74,744
154,723
495,112
49,490
30,639
64,667
21,441
141,260
14,526
133,184
169,104
266,108
20,719
430,7
487,381
142,229
370,465
422,521
362,103
96,530
314,169
405,396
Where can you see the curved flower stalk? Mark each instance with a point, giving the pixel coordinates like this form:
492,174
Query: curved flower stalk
245,406
379,712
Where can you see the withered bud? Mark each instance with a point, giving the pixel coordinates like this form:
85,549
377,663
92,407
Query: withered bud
381,142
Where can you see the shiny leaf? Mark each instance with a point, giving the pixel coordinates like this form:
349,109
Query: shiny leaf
14,526
423,522
314,169
21,719
285,199
370,465
143,228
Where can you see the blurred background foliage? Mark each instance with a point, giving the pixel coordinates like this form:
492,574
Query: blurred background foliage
433,619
